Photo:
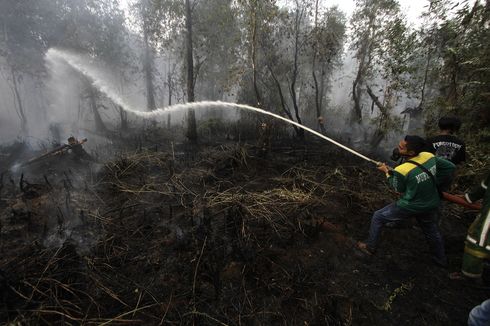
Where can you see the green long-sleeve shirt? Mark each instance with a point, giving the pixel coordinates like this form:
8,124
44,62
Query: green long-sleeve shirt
419,193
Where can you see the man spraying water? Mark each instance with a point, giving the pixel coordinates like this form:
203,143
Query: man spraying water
417,179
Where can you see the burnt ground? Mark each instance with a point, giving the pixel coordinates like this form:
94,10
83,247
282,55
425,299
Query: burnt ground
215,234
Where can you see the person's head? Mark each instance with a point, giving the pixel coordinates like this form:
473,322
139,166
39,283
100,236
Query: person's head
263,125
72,140
449,124
411,146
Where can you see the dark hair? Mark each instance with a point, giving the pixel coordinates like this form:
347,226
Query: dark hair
449,123
416,144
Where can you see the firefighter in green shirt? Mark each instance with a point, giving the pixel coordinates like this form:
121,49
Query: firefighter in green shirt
477,244
417,179
477,249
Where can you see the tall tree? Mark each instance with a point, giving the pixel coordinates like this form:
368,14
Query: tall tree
191,115
327,40
257,18
216,35
291,39
146,18
254,22
175,27
22,44
370,21
96,28
92,95
395,57
147,23
459,73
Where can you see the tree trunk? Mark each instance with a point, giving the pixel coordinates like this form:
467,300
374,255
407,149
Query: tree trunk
313,71
99,123
281,97
319,100
426,74
19,108
17,99
123,115
321,94
381,129
124,119
191,117
356,90
148,66
317,91
170,87
378,137
254,54
299,131
365,54
452,94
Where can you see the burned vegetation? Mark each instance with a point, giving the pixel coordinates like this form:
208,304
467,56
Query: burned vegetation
214,234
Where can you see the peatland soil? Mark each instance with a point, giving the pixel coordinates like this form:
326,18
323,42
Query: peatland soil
223,233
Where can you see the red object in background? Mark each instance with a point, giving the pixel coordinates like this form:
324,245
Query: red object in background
460,201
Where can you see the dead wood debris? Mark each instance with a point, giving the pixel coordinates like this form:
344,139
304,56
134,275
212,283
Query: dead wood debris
194,241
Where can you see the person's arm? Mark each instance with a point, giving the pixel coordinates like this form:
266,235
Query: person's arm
398,182
395,179
460,155
445,171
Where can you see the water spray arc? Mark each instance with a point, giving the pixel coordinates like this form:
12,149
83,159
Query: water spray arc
80,64
225,105
76,61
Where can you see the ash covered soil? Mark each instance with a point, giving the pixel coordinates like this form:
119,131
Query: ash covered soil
216,234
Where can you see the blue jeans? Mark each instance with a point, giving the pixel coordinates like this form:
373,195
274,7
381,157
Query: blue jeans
426,221
480,315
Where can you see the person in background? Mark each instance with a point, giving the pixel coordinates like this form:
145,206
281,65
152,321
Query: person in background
477,250
477,243
321,124
450,147
446,144
77,151
417,180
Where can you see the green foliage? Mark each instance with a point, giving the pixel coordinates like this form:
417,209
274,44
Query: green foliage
25,26
166,21
463,78
383,46
328,37
216,47
284,55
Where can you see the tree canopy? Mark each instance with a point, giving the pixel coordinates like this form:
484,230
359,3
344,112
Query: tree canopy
280,58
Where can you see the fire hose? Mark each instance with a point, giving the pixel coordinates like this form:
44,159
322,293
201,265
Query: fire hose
460,201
